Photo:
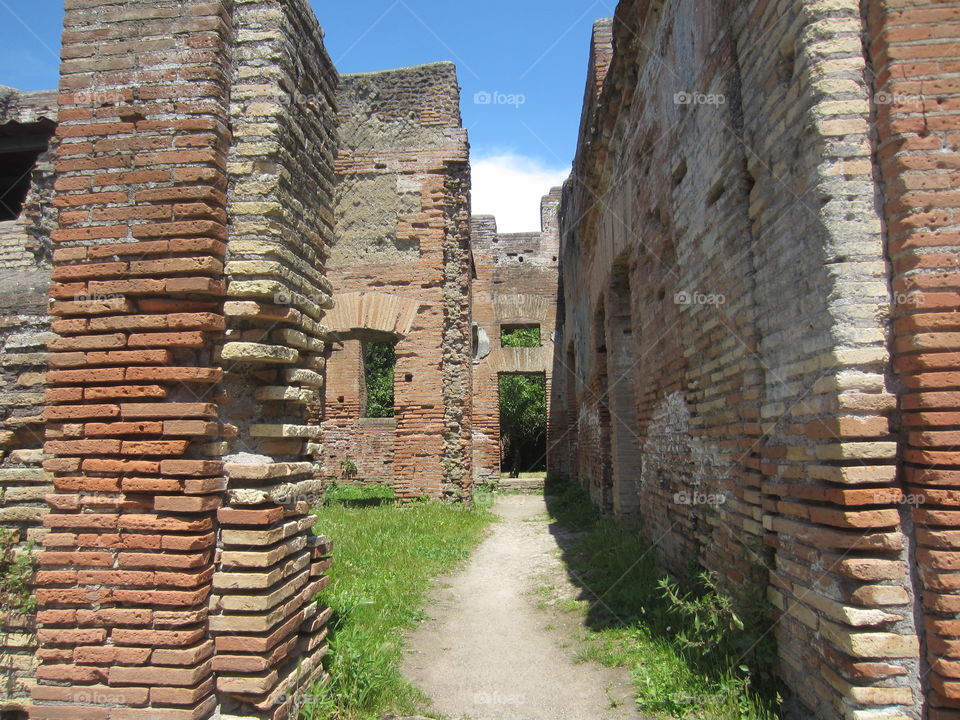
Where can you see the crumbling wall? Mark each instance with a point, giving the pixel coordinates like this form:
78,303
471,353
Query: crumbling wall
174,584
401,271
24,331
724,336
515,284
269,634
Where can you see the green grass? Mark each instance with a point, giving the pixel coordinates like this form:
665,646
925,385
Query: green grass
385,560
690,654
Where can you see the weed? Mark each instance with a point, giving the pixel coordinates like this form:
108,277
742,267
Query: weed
16,574
572,605
348,469
694,653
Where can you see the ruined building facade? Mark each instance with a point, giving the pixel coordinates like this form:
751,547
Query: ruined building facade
163,414
746,298
401,269
757,336
514,285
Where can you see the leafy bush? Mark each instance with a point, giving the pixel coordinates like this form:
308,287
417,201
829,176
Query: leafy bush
348,469
523,422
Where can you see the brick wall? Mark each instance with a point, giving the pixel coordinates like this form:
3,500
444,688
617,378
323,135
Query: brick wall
401,270
26,118
515,284
173,583
914,53
126,571
724,329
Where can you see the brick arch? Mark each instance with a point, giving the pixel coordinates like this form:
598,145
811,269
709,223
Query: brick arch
371,311
521,308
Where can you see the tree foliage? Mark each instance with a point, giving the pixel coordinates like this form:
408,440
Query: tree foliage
523,422
515,337
379,362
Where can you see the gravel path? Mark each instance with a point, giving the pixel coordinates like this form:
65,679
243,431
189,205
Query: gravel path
488,652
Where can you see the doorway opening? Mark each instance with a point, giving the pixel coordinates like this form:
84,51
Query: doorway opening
523,423
621,361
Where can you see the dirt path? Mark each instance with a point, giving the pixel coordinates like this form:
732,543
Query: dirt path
488,652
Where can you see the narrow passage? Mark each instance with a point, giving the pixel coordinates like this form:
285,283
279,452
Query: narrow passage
488,652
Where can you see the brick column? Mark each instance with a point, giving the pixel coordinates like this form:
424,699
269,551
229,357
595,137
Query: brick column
915,51
126,571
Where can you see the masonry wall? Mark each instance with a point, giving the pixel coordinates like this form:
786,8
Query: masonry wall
26,120
178,576
725,329
401,270
515,284
914,53
269,634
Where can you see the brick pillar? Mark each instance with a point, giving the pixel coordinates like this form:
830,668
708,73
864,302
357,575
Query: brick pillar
913,46
126,570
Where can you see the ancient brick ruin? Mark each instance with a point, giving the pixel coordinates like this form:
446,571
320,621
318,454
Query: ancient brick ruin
515,284
746,296
401,269
756,352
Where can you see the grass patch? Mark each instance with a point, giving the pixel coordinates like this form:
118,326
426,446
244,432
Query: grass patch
386,558
692,652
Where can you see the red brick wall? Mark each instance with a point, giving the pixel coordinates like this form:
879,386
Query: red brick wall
127,567
156,587
401,268
915,51
731,291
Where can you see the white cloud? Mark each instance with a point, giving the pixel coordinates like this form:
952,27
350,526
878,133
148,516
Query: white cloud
509,186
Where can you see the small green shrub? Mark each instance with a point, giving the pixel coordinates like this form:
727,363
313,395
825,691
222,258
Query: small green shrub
348,470
16,574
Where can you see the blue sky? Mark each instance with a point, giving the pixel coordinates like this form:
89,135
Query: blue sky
522,65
